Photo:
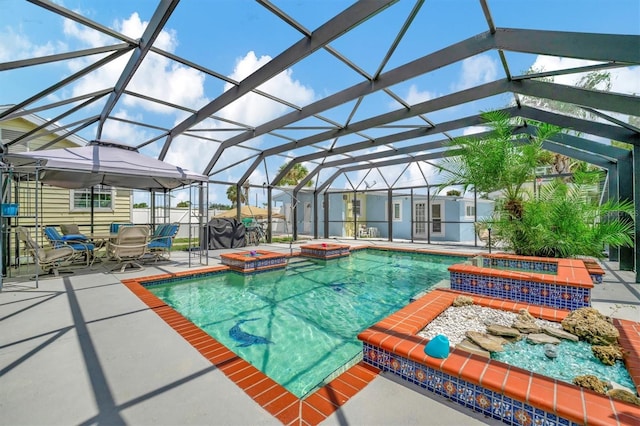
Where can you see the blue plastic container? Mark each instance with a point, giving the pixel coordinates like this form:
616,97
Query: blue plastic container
10,210
438,347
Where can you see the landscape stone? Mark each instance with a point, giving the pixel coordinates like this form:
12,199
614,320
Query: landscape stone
462,301
589,381
468,346
608,355
526,327
487,341
501,330
590,325
560,334
525,316
550,351
541,339
624,395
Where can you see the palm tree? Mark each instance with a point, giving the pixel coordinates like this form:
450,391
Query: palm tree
496,162
232,195
295,175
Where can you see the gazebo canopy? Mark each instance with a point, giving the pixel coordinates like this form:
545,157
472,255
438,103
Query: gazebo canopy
102,163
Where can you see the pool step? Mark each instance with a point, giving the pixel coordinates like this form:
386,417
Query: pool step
301,265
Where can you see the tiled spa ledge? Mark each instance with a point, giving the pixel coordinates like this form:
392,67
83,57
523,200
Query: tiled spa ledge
500,391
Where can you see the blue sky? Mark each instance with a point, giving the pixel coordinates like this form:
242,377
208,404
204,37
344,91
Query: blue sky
235,37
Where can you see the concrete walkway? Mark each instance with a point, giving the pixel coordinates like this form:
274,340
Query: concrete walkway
82,349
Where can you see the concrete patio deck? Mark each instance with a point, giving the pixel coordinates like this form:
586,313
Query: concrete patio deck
83,349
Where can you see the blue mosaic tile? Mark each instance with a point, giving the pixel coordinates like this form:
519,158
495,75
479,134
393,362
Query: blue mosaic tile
557,296
473,396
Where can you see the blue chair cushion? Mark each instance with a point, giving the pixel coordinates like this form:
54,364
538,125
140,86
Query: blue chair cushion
58,240
80,246
74,237
160,244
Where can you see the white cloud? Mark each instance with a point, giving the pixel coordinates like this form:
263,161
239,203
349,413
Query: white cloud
476,70
15,46
411,176
623,80
474,129
157,76
126,133
254,109
416,96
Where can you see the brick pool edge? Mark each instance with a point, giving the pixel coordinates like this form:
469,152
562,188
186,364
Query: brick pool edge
495,389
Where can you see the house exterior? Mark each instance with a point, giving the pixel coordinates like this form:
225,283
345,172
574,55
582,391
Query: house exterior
366,214
55,205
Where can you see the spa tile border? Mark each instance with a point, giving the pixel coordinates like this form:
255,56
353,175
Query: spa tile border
569,289
274,398
504,392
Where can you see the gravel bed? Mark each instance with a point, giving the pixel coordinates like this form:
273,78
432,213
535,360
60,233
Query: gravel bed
454,322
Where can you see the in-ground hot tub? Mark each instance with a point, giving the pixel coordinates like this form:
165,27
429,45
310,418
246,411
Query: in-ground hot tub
558,283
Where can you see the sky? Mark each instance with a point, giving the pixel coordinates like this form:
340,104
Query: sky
236,37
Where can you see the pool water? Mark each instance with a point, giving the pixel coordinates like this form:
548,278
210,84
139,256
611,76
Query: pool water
574,359
299,325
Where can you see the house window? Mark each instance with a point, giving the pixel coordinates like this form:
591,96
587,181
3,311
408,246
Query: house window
397,211
102,198
436,219
470,211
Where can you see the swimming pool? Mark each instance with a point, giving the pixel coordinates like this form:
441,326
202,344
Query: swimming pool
298,325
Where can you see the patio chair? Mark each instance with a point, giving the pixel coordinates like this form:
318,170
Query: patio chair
162,240
78,242
129,247
70,229
47,259
115,226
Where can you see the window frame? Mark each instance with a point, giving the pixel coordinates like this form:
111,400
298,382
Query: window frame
466,210
98,191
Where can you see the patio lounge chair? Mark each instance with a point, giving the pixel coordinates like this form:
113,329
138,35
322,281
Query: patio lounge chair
129,247
47,259
78,242
162,240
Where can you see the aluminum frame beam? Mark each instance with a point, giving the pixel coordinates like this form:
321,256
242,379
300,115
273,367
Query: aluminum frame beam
576,42
330,30
156,24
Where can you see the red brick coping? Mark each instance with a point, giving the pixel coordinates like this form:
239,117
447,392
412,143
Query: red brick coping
571,272
324,251
397,334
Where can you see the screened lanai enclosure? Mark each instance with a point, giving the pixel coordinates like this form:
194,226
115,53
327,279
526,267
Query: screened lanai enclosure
336,115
